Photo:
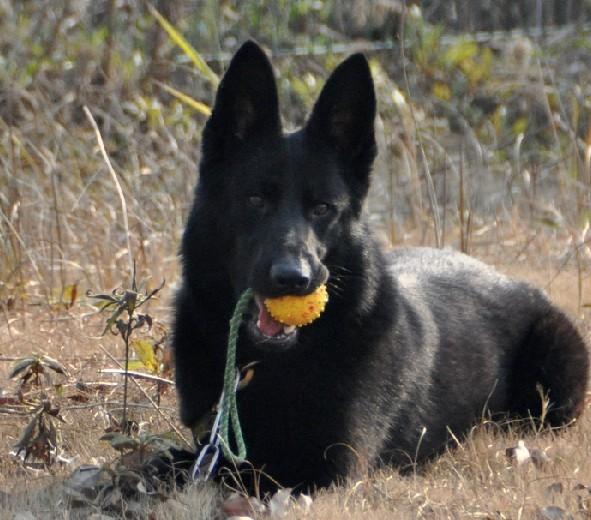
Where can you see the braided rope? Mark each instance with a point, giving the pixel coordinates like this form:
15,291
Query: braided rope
229,408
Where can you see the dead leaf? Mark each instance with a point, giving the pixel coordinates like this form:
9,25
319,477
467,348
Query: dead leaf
280,503
539,458
556,488
86,483
237,506
518,454
304,502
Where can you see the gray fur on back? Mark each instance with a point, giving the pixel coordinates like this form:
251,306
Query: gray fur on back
459,313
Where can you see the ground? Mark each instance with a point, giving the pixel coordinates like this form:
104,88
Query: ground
474,479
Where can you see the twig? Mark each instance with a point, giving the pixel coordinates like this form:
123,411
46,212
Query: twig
567,257
23,246
139,375
430,186
105,404
117,185
107,61
127,237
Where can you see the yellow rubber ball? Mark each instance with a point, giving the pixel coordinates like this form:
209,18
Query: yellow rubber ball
298,310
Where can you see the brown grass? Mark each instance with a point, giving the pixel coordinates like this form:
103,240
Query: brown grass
61,227
473,480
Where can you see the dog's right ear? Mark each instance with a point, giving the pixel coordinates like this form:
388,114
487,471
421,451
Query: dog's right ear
246,104
345,111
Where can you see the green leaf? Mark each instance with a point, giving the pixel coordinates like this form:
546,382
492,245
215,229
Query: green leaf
441,90
107,297
55,365
135,365
113,319
120,442
460,52
28,435
520,125
70,294
21,365
145,351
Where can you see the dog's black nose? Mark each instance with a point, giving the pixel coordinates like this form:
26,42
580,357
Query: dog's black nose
290,275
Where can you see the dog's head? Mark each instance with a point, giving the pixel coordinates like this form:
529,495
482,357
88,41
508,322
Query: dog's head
285,201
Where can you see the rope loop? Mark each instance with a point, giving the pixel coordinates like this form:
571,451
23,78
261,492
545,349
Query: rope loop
229,410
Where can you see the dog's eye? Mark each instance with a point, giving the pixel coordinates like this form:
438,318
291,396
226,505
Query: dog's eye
319,210
256,201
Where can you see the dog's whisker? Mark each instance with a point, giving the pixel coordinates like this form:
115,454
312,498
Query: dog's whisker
336,280
335,267
335,290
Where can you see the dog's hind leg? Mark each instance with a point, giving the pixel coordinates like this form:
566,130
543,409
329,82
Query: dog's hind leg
554,358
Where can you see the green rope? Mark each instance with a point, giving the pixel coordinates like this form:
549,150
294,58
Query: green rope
229,408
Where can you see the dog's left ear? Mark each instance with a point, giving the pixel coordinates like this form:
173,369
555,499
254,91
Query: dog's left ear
345,111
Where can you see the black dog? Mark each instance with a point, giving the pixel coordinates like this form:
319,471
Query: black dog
413,344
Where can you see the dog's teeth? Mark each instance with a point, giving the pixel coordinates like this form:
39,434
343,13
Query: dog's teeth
288,329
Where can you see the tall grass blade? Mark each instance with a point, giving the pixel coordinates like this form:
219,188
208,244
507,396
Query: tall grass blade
186,99
189,51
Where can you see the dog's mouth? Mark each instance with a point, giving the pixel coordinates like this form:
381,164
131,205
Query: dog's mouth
267,331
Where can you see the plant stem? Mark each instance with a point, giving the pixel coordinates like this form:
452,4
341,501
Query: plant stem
126,376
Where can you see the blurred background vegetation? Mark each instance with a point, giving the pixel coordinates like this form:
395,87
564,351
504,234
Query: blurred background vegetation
484,122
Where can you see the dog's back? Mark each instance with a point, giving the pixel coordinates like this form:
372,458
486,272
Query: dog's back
483,342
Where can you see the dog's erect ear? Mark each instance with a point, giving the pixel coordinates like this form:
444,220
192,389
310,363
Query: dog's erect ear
345,111
246,103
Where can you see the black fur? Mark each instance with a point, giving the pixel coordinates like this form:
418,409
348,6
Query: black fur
413,339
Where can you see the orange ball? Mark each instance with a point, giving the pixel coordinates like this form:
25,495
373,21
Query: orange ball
298,310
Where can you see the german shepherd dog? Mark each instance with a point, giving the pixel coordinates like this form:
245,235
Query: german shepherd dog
414,345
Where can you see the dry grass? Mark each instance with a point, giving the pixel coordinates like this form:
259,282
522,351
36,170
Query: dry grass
61,227
473,480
